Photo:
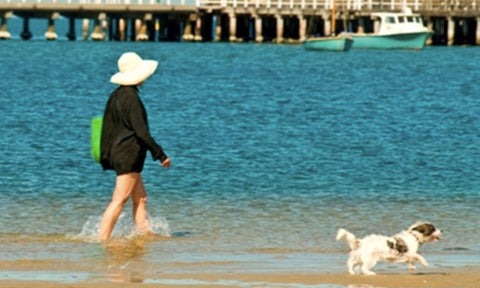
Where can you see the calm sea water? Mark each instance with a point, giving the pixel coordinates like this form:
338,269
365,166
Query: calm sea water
273,149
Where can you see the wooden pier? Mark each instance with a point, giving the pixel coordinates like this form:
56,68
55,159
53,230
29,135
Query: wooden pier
455,22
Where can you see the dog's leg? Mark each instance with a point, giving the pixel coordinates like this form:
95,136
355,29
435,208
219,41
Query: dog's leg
411,267
366,266
422,260
351,263
416,258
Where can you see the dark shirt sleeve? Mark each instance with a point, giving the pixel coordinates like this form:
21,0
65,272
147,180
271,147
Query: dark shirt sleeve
138,120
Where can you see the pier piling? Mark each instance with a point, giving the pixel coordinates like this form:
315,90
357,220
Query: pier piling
26,34
198,29
85,27
450,31
258,29
280,28
477,32
232,18
302,27
71,35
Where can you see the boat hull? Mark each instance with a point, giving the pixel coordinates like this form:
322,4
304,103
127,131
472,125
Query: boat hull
335,44
414,40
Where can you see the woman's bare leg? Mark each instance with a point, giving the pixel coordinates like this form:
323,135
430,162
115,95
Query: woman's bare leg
140,215
124,187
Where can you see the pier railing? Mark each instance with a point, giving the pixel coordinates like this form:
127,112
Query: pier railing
317,4
416,5
358,5
103,2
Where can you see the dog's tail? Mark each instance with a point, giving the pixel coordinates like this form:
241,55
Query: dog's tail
348,238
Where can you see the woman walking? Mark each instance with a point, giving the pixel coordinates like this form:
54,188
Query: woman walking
125,141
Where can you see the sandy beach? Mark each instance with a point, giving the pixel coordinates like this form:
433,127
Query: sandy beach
448,278
124,266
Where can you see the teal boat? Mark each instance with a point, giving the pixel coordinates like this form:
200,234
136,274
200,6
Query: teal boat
414,41
341,43
338,43
396,31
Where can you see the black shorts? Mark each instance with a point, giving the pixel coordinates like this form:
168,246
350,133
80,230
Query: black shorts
128,160
125,167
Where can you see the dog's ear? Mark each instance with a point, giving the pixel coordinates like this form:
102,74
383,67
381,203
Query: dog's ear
425,229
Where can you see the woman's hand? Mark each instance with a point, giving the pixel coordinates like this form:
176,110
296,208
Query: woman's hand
166,163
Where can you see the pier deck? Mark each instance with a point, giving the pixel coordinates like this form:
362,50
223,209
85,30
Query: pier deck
243,20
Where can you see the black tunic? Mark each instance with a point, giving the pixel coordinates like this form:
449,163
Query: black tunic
125,134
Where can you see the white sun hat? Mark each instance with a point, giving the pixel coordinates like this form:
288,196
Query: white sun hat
133,70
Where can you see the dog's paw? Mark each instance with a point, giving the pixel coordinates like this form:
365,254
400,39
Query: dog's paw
422,261
367,272
412,267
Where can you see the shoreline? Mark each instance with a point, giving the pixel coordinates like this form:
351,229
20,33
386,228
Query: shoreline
468,277
328,271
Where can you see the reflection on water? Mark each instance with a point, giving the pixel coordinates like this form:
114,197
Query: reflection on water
237,283
65,277
125,259
69,277
122,251
362,286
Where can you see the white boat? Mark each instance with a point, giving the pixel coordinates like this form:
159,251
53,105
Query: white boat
403,30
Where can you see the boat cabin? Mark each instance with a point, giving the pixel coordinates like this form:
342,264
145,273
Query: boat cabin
393,23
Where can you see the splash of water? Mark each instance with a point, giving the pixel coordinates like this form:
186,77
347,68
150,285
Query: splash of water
89,231
124,228
159,226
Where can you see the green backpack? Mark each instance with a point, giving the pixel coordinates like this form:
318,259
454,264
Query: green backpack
96,135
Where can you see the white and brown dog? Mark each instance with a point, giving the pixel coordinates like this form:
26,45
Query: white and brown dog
400,248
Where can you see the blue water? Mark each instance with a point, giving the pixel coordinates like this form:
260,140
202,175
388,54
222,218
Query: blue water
273,149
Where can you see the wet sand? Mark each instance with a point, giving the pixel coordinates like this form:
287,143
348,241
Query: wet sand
124,264
440,278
